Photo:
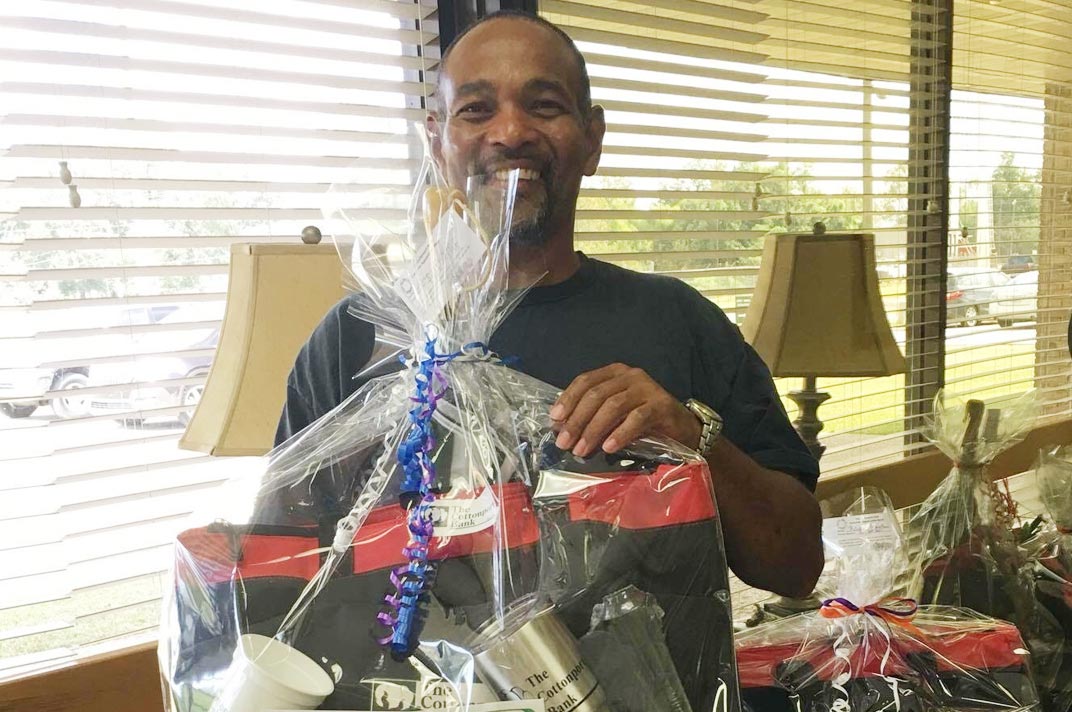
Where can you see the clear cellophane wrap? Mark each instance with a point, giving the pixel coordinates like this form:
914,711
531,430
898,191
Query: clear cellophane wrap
425,543
974,551
1052,562
868,650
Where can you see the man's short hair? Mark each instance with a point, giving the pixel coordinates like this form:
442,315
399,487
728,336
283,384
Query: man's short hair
584,101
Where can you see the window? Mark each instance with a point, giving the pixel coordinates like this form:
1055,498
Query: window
1008,173
731,122
139,141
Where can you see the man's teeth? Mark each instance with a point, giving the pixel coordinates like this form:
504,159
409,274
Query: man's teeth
522,174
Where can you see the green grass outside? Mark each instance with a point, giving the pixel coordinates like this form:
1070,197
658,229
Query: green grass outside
118,608
876,405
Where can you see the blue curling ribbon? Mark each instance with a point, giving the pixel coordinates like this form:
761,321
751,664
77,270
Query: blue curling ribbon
404,613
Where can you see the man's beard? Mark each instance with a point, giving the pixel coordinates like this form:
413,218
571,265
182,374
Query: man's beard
532,231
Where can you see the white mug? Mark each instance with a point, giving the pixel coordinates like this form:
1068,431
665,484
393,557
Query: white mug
266,674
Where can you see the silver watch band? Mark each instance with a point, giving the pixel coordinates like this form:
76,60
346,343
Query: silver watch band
711,424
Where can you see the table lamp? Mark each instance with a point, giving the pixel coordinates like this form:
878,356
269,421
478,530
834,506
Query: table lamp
817,311
276,295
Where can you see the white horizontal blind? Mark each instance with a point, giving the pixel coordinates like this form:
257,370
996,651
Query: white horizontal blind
729,121
842,130
1009,171
139,139
685,150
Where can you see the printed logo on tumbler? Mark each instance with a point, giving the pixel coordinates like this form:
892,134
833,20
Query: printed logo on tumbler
557,695
530,654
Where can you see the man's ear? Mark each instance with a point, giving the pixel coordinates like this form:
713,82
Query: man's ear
594,132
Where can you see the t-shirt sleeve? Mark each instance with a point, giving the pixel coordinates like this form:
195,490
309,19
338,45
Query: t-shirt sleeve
324,370
743,393
297,413
758,424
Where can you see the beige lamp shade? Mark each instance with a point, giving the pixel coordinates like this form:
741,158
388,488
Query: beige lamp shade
276,296
816,310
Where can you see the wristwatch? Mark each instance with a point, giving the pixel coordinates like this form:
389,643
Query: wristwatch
711,422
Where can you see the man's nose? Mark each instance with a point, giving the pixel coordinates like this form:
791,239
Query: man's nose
511,127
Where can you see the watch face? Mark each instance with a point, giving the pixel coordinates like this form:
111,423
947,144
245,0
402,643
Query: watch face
702,410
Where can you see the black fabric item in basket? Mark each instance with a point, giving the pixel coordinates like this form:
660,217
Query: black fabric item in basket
1056,596
870,694
657,531
782,678
968,578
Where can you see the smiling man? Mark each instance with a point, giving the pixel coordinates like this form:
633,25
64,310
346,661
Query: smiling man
636,354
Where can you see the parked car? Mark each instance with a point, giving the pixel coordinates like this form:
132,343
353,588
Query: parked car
23,389
970,292
1018,264
1019,300
891,270
143,382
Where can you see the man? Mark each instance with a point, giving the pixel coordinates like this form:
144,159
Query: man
629,349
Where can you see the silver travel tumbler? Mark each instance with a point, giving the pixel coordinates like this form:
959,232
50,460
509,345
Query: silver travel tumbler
530,654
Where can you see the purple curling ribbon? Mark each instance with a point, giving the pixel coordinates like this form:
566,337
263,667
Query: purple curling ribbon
403,612
893,610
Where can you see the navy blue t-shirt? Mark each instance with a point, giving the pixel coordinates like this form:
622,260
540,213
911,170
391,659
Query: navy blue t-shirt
603,314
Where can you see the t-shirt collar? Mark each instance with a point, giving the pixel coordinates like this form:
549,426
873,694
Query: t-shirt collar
574,284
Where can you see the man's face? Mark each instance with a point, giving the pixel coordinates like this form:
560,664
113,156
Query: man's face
509,98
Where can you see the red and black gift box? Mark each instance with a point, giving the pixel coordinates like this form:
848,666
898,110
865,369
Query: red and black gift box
974,666
655,528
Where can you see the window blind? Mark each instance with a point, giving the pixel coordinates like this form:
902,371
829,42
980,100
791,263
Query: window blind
1010,172
732,121
138,140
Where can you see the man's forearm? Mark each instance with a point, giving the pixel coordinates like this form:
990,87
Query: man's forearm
771,523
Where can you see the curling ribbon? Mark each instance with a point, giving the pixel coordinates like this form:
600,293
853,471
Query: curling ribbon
403,607
892,609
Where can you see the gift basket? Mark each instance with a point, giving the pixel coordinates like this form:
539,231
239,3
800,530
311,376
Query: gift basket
866,650
1053,562
425,545
973,550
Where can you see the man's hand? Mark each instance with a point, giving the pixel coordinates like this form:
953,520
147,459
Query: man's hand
613,406
771,522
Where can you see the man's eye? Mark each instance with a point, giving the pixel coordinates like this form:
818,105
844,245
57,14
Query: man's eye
548,107
475,110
